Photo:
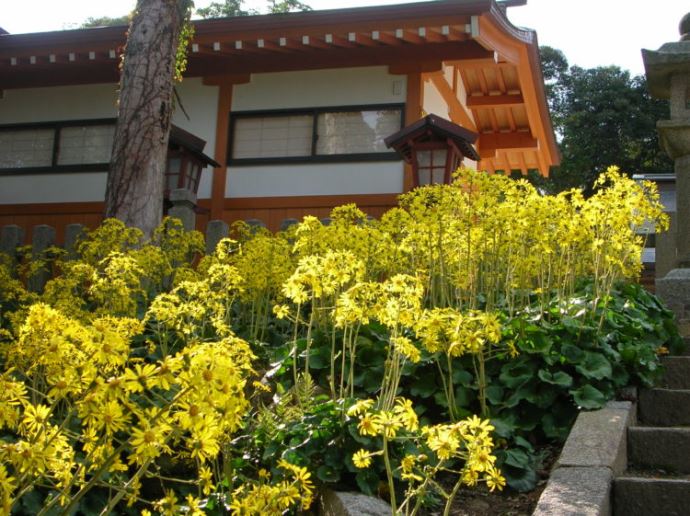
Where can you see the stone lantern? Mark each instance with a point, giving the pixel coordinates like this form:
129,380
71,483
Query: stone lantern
668,77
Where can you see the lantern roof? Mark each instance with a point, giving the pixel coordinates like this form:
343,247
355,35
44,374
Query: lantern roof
192,144
433,128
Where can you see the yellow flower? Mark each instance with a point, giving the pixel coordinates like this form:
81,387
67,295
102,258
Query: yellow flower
359,407
389,423
35,418
369,425
494,479
206,480
361,459
281,311
403,408
137,379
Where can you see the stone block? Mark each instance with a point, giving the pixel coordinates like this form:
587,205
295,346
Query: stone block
183,207
576,491
339,503
43,238
11,237
216,230
598,438
255,224
288,223
676,372
660,448
73,235
650,496
665,407
674,290
666,256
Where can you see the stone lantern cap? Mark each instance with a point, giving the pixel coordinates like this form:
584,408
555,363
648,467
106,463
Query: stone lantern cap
670,59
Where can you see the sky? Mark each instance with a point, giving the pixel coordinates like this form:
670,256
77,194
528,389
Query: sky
589,32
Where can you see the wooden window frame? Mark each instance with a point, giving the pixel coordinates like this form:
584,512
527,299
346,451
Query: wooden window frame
313,157
54,167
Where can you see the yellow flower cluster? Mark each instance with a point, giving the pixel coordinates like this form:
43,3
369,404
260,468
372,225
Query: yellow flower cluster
456,333
468,441
76,386
295,491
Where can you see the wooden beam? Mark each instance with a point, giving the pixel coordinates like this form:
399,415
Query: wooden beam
489,143
219,80
457,111
221,149
416,67
488,101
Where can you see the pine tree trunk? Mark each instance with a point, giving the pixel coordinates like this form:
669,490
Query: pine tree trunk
134,191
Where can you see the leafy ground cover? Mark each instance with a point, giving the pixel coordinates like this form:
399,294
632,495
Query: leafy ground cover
414,357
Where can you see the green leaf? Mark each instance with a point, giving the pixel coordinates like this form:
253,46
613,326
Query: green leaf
367,481
559,378
594,365
520,479
535,342
424,388
494,393
572,354
588,397
462,377
328,474
516,373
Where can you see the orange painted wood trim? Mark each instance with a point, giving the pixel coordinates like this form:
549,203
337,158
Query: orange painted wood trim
458,113
221,149
52,208
309,201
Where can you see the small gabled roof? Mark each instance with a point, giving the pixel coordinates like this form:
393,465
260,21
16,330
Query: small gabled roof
461,137
192,144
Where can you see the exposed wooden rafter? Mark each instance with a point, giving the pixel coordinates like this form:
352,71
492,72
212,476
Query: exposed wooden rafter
488,101
489,143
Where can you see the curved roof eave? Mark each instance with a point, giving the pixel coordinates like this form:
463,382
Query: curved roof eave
525,42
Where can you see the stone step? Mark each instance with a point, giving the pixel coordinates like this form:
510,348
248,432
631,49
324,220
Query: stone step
676,372
664,407
639,496
659,448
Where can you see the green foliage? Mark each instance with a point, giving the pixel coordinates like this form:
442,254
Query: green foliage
601,116
231,8
104,21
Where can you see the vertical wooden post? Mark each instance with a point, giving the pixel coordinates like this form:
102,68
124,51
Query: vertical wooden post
221,149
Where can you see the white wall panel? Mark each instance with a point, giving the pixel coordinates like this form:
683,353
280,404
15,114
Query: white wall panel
40,188
315,88
433,103
316,179
88,102
58,103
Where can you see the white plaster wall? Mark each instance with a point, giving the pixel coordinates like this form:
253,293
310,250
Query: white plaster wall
58,103
317,88
316,179
433,102
40,188
86,102
314,88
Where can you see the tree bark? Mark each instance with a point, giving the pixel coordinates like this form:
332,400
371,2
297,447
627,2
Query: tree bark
135,186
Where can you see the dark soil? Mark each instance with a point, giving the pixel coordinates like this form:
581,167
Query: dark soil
480,502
